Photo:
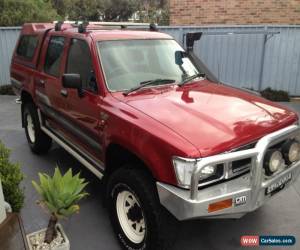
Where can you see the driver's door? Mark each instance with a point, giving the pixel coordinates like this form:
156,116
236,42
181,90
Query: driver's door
83,111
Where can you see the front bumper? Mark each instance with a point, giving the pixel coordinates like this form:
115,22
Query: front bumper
194,203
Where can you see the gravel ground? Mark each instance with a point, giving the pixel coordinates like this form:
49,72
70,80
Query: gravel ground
91,230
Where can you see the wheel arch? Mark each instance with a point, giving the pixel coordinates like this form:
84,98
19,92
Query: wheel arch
116,156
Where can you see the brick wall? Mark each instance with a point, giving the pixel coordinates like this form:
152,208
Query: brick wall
198,12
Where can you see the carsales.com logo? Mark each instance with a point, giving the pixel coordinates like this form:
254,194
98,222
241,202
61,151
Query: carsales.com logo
255,240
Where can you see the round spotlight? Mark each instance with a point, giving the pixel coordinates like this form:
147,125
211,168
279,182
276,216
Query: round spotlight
291,151
273,161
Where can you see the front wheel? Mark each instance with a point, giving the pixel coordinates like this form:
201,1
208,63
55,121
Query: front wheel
135,212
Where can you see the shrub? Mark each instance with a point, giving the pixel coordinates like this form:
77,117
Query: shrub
6,90
11,176
275,95
60,195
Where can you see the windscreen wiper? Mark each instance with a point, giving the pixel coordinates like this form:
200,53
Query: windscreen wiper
148,83
190,78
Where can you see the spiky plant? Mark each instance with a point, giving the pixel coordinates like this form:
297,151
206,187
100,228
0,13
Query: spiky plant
60,195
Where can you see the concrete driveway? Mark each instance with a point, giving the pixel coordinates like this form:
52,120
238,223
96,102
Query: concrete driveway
91,230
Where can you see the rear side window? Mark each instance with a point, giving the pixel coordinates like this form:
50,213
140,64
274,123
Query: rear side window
27,46
54,55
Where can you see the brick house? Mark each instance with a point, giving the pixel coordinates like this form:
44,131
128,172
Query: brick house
199,12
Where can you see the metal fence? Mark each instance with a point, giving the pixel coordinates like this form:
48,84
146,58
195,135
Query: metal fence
8,38
255,57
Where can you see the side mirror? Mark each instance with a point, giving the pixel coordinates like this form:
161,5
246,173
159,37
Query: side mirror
73,81
179,55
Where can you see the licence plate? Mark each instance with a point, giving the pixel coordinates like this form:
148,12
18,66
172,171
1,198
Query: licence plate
278,185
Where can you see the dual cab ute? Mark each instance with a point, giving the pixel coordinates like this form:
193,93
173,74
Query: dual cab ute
169,140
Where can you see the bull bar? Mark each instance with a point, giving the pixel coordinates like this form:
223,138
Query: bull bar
193,203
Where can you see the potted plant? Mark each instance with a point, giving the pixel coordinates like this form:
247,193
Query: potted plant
59,195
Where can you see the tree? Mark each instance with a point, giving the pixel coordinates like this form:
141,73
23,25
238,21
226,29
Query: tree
62,6
154,11
17,12
90,10
119,10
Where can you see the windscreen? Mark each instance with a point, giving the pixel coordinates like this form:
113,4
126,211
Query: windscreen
128,63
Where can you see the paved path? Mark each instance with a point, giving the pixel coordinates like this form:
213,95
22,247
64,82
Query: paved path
91,230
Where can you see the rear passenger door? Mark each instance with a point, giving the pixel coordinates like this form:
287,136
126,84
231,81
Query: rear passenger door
48,80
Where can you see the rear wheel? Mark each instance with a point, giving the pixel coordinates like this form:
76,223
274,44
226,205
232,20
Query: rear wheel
38,141
136,215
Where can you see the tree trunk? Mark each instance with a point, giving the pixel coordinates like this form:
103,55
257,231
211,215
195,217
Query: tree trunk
51,230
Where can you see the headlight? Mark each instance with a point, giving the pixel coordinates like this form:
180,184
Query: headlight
273,161
184,169
291,151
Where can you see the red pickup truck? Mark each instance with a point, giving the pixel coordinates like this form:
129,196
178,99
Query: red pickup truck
151,120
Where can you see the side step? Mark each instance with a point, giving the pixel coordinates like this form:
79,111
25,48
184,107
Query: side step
71,151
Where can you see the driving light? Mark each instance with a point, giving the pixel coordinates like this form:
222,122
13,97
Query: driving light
273,161
291,151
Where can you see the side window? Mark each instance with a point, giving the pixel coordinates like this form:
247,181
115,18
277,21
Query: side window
54,55
80,62
27,46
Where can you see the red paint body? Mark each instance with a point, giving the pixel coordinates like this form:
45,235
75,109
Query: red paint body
156,123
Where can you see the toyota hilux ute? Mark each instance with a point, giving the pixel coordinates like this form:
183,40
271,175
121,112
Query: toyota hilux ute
169,140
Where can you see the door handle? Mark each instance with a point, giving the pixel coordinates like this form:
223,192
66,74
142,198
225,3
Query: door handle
64,92
42,81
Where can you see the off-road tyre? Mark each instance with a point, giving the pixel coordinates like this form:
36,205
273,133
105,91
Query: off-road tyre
160,225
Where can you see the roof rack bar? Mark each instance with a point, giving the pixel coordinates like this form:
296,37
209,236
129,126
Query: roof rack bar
83,25
119,24
106,23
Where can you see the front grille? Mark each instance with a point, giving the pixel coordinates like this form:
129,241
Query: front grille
240,166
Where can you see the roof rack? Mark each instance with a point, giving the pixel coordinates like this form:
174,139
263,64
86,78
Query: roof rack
83,25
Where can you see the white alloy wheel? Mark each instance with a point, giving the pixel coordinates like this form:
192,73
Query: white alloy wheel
30,128
131,217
